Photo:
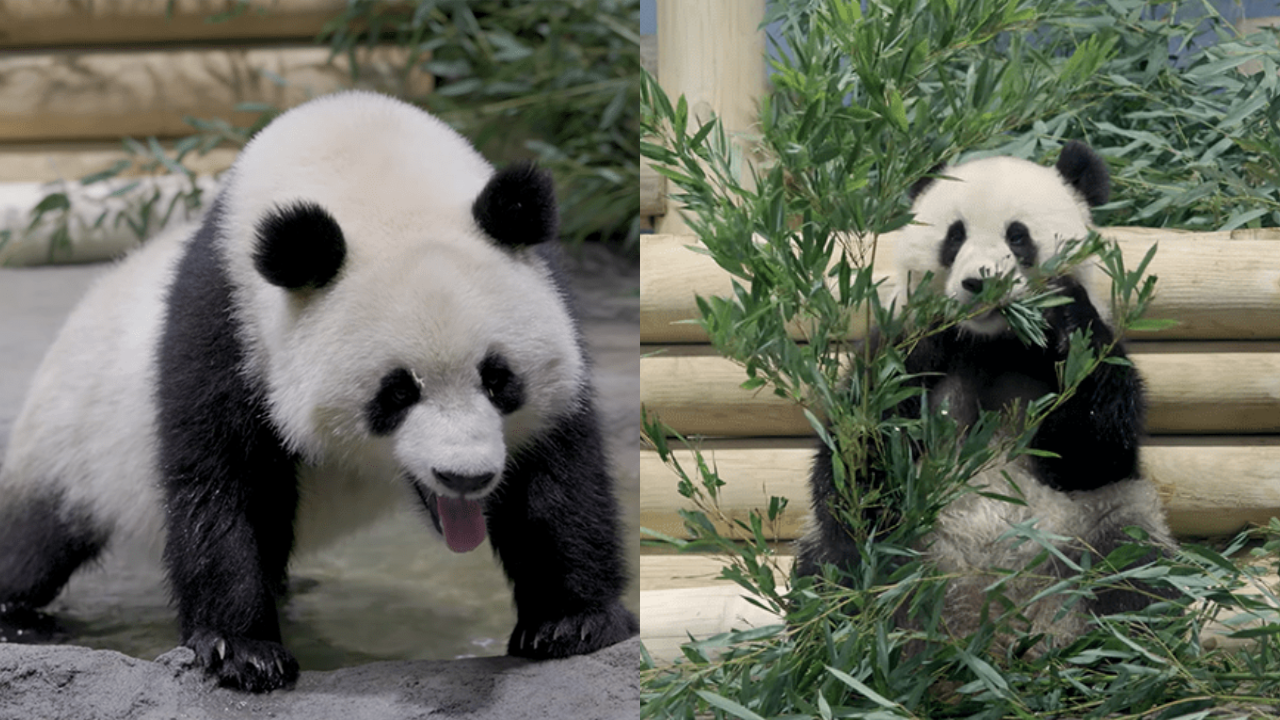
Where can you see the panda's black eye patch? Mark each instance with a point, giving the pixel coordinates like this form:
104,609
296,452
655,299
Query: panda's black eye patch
504,387
1018,238
397,392
951,244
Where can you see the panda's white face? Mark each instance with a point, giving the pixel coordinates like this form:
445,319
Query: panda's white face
398,331
444,361
988,218
430,369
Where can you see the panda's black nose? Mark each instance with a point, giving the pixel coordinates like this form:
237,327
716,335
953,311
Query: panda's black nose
973,285
461,483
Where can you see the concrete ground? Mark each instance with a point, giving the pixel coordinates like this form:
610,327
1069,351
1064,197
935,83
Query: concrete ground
73,683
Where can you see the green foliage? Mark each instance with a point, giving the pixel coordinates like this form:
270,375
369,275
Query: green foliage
557,80
1192,140
864,103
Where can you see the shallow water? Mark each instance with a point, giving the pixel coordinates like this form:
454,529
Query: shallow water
391,593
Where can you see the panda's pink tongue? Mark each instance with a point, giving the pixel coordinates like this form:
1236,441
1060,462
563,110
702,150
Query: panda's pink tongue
463,523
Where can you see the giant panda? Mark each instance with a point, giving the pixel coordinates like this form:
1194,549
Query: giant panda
974,221
367,311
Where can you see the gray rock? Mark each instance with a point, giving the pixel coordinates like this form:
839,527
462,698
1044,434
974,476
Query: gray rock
75,683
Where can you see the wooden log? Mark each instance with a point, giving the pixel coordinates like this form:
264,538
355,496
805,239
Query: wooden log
753,470
1218,285
1193,388
700,394
1210,486
672,572
671,616
95,222
712,53
649,54
43,162
46,23
102,95
653,191
653,187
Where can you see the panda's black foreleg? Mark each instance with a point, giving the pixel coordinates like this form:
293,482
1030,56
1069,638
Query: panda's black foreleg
554,525
230,485
230,532
1096,431
829,541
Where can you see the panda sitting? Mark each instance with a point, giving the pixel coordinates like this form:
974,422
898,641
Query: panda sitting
988,218
368,313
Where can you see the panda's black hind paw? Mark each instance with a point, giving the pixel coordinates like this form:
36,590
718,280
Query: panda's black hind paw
577,634
244,663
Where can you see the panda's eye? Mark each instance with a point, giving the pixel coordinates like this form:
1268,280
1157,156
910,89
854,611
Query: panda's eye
1018,237
951,244
398,392
502,386
401,395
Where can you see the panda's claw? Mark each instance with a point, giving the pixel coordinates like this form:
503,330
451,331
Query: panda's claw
244,663
596,628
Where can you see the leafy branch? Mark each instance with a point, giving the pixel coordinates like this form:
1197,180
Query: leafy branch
866,100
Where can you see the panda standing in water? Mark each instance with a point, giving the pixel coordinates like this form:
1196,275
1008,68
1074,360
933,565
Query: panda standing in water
977,220
367,311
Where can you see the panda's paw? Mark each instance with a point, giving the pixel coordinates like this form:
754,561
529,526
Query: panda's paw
244,663
577,634
1075,315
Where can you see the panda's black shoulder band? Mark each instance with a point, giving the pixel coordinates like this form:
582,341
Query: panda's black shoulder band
299,245
518,206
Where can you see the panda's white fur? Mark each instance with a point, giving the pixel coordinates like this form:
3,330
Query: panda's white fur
89,413
418,261
987,218
986,194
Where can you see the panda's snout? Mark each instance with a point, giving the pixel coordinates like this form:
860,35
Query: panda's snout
462,483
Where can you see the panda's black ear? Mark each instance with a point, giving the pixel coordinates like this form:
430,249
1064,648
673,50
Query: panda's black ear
518,206
923,183
1085,171
299,245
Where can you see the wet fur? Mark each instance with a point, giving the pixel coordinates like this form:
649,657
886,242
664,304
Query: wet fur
217,392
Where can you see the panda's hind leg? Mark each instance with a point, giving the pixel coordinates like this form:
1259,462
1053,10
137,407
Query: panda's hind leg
1127,504
43,541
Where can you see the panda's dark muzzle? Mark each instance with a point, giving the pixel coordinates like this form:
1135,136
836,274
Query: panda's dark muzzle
463,484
